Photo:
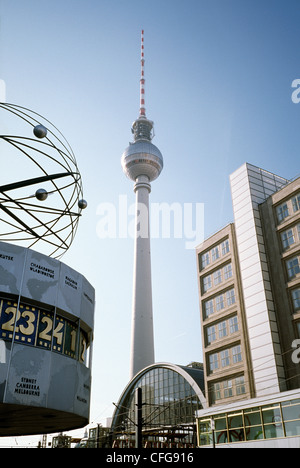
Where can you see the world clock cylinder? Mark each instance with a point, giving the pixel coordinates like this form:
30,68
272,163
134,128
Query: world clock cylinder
46,335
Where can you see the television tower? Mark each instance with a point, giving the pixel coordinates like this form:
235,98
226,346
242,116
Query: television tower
142,162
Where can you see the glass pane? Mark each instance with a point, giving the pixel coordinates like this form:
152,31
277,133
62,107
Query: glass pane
204,426
205,439
273,431
292,428
271,414
291,412
235,420
254,433
221,437
220,424
252,419
236,435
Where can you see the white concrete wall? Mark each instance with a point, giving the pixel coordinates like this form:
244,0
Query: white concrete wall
250,186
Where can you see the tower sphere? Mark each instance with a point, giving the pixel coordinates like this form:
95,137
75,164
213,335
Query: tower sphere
142,158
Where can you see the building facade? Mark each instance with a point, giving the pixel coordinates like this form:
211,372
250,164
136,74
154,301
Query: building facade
227,363
271,421
249,288
280,214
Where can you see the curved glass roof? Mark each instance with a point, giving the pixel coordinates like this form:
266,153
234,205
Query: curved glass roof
170,394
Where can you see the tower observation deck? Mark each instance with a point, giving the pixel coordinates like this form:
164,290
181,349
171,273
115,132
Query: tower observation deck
142,162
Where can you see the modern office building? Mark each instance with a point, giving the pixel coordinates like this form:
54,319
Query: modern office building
249,287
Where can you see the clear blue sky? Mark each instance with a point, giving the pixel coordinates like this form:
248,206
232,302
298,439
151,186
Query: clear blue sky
218,87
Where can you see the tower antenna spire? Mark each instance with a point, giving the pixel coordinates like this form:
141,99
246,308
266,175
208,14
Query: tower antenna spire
142,81
142,128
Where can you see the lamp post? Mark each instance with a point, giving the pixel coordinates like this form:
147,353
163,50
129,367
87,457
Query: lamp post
138,418
213,427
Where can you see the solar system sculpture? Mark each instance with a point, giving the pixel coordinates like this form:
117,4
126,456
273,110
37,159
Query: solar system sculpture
41,188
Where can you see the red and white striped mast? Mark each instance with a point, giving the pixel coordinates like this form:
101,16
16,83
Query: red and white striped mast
142,81
142,128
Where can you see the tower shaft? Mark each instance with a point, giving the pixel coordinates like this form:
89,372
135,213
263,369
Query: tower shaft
142,339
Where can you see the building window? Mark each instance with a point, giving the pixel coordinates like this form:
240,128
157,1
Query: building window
205,260
222,329
225,247
211,334
230,297
236,354
230,325
296,203
217,277
228,271
220,303
213,362
293,267
296,299
229,356
215,253
228,390
233,325
225,358
287,238
209,308
291,414
282,212
217,391
207,283
240,386
272,414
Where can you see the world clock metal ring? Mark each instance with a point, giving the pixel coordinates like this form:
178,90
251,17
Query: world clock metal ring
41,194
